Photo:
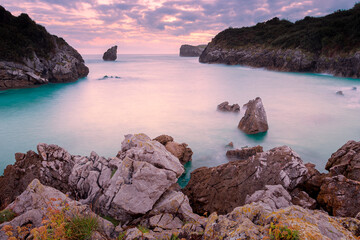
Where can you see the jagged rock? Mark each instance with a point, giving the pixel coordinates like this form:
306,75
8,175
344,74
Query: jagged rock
165,221
340,196
254,120
346,161
225,187
52,60
302,199
273,195
110,54
181,151
243,153
32,205
253,222
314,181
191,51
225,107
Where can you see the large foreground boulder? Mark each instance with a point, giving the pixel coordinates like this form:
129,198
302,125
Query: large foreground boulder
254,120
222,188
110,54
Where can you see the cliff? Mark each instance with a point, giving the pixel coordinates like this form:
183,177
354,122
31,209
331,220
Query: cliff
31,56
191,51
329,44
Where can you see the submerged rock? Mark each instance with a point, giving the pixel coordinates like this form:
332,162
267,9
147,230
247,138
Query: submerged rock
340,93
225,107
225,187
243,153
191,51
110,54
254,120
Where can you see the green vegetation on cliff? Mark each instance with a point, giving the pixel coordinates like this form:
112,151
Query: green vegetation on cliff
20,37
334,33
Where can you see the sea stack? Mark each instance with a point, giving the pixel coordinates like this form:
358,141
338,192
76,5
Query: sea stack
254,120
110,54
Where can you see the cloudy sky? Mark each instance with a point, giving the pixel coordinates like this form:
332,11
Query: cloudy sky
158,26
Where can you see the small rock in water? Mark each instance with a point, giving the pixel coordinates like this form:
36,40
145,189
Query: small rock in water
354,88
230,144
255,120
340,93
106,77
225,107
110,54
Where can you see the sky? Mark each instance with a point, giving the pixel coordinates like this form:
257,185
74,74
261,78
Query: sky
158,26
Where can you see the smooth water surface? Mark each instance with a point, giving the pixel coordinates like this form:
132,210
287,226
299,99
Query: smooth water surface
167,94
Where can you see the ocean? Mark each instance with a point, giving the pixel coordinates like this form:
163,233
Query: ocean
177,96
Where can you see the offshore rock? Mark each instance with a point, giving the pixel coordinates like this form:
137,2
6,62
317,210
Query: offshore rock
191,51
346,161
179,150
110,54
225,107
39,59
243,153
254,120
225,187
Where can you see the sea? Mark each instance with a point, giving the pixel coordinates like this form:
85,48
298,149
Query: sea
178,96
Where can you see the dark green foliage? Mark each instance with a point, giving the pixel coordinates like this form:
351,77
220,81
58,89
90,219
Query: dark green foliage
334,33
278,232
20,37
81,228
6,215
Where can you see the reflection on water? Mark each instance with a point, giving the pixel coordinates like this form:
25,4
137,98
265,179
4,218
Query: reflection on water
166,94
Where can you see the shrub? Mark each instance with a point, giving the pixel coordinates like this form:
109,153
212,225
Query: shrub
81,227
6,215
279,232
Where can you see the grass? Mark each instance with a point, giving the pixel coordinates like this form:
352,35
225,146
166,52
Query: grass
6,215
143,229
81,227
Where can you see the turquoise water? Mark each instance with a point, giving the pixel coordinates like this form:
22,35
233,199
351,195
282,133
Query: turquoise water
167,94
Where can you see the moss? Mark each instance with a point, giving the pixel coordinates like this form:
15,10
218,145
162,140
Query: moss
143,229
112,220
6,215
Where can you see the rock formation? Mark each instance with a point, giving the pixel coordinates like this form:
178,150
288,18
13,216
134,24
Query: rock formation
110,54
191,51
181,151
254,120
37,58
225,107
225,187
243,153
282,45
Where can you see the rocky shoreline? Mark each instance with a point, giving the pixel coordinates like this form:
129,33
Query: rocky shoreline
137,190
288,60
39,59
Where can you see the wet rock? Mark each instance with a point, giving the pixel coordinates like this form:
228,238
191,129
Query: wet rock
346,161
273,195
230,145
243,153
340,93
254,120
164,139
225,187
225,107
110,54
191,51
340,196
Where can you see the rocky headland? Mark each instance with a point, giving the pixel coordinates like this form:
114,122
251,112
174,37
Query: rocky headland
135,195
327,44
110,54
191,51
31,56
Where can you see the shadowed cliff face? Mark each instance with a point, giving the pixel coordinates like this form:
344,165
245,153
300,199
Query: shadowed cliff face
329,44
31,56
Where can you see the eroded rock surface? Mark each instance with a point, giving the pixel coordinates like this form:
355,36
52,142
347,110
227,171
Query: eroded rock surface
243,153
225,187
254,120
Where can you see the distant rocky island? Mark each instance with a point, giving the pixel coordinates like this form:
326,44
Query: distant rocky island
110,54
329,44
191,51
32,56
